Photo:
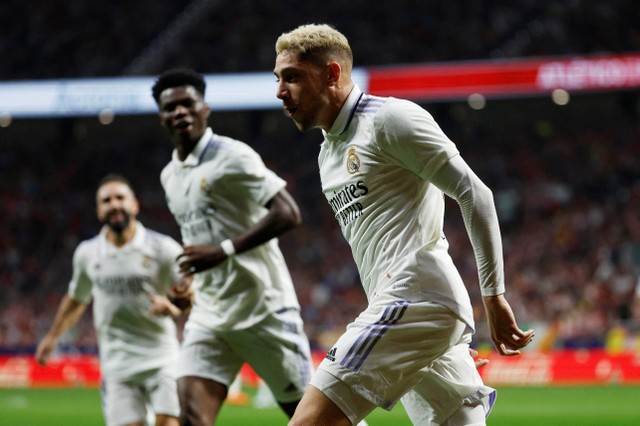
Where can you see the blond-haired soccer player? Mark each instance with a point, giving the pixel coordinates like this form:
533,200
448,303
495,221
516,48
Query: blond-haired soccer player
126,270
384,166
230,208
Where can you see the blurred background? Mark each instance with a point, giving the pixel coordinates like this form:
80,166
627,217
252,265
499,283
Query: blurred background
566,176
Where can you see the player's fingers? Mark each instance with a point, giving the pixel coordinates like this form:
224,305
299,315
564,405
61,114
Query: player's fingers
505,351
186,268
521,339
481,362
42,357
186,252
174,311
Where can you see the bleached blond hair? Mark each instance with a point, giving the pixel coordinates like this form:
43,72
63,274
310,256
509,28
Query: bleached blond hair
318,43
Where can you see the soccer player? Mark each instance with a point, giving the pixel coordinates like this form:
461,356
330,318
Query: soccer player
127,270
230,208
384,166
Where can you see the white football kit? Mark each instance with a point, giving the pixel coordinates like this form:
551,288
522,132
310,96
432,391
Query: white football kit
218,192
135,346
385,165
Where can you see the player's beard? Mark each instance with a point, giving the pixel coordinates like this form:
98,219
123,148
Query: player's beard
118,226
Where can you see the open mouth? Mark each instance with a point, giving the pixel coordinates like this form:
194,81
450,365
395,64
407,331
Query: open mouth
182,125
290,111
117,215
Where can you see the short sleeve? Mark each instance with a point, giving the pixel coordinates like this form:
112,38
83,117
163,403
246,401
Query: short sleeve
171,249
80,285
247,175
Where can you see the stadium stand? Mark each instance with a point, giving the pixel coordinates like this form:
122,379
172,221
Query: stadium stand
566,179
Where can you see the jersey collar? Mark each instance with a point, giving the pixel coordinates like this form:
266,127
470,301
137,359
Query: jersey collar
136,243
195,156
346,113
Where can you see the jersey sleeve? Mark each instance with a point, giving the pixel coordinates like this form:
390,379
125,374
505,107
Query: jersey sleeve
458,181
247,174
169,271
80,286
411,137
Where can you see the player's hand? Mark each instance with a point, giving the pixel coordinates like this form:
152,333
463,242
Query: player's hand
200,258
45,349
160,305
505,333
181,295
480,362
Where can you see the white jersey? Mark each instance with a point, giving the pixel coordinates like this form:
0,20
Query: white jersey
131,340
218,192
375,165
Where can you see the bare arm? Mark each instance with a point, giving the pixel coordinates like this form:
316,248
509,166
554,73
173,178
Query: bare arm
69,312
283,216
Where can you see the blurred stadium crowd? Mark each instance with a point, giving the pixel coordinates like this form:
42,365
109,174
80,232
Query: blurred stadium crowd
566,179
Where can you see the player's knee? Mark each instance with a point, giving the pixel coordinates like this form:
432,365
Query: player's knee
192,418
163,420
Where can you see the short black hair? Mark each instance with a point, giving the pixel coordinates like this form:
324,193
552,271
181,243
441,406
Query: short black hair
178,77
115,177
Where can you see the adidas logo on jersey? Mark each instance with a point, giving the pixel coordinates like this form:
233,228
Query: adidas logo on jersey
331,355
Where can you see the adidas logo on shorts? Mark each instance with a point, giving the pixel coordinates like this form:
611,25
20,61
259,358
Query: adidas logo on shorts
331,355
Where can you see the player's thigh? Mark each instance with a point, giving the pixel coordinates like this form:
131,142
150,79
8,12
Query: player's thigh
162,389
421,413
200,400
452,383
278,351
383,353
122,403
208,355
329,400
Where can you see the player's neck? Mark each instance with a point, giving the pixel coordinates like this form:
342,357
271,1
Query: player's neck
184,147
119,239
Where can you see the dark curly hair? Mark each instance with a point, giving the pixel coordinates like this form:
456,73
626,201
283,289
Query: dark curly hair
178,77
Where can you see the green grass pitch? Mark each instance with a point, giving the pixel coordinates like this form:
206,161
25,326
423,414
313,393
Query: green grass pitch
521,406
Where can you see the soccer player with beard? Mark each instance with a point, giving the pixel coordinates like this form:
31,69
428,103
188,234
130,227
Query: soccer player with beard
385,166
127,270
230,208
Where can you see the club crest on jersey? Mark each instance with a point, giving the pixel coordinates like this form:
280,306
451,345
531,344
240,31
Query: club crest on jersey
146,261
353,161
204,185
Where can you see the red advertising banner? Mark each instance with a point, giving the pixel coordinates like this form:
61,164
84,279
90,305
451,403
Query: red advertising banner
507,78
563,368
555,368
67,371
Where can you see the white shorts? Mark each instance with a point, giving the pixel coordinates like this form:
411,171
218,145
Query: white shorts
397,347
276,349
125,402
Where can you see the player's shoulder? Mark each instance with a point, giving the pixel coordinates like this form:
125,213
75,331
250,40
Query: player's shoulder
370,104
152,235
401,105
233,144
89,242
401,113
383,108
227,149
88,248
160,242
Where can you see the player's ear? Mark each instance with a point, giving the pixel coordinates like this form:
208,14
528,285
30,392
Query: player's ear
206,108
135,206
334,71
